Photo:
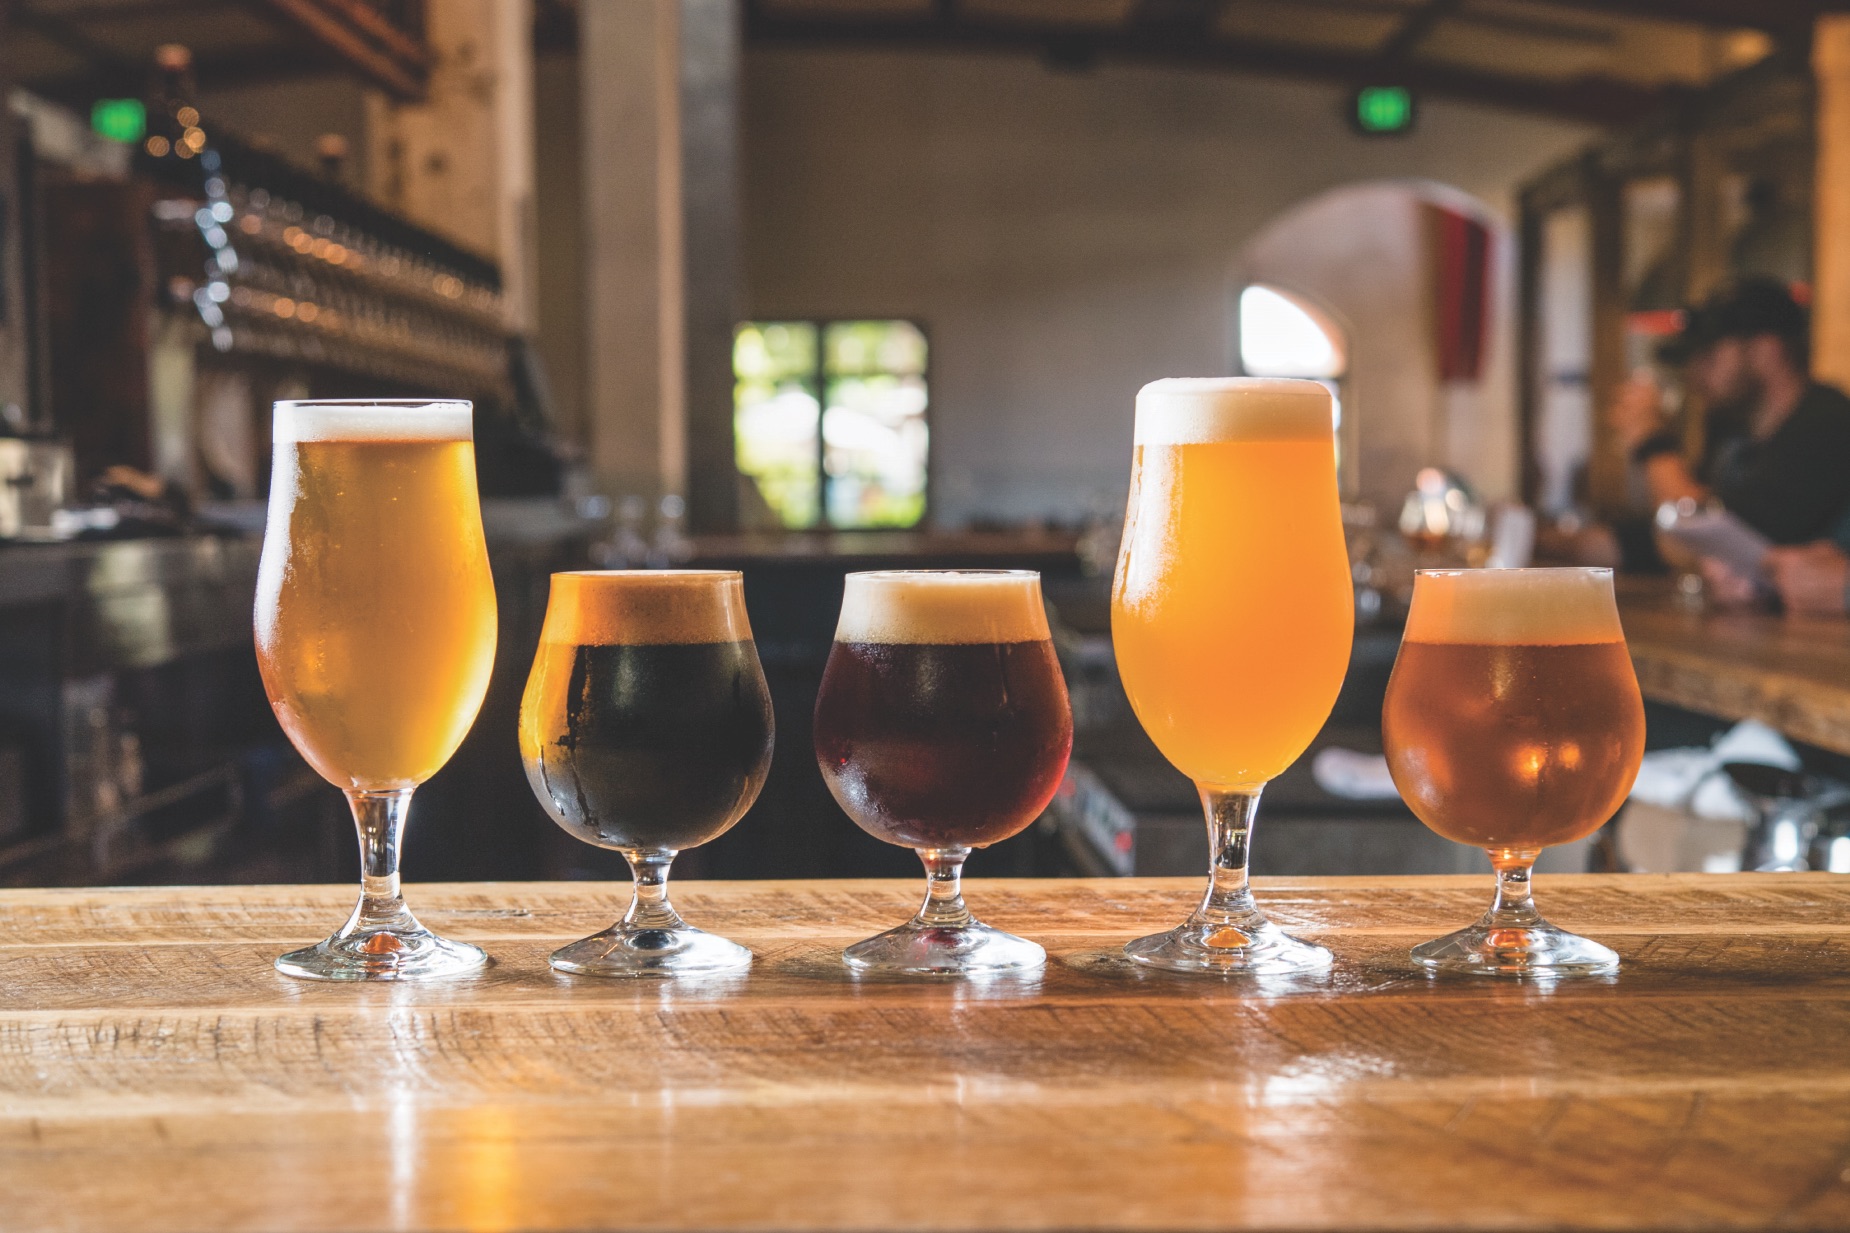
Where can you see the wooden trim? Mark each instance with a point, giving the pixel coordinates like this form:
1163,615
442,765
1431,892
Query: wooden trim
1596,100
377,50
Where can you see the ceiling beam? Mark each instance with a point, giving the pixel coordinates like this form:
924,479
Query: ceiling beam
396,60
1413,31
1771,16
1594,100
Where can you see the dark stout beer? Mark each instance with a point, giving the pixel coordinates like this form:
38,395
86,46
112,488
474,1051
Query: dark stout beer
645,726
648,747
943,719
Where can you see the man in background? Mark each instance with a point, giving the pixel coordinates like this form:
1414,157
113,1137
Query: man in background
1777,453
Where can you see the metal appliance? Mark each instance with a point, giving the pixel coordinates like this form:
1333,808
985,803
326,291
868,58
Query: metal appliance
35,480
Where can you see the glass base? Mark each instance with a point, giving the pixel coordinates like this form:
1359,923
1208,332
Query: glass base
1260,949
941,950
624,950
383,954
1538,951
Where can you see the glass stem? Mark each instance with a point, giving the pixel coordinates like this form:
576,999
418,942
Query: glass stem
1229,898
944,891
649,906
379,817
1514,906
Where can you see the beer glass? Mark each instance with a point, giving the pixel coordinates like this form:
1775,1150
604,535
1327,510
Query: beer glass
375,628
646,728
1232,617
1513,722
942,725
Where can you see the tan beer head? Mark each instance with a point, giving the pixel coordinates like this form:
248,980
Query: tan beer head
1208,410
372,420
646,607
1514,607
942,607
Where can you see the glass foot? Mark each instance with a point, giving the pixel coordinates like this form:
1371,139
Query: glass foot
383,954
1259,948
624,950
1538,951
943,950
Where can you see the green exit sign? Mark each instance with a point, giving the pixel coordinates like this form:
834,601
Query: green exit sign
1380,111
119,119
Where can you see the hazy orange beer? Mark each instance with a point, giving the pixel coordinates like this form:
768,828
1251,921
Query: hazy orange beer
1513,722
1232,619
375,628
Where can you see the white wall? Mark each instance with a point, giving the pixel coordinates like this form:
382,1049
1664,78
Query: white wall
1063,238
1362,253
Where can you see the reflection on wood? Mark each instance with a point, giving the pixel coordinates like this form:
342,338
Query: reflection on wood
1790,672
156,1074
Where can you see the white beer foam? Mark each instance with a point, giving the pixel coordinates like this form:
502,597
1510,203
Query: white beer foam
1205,410
359,420
940,607
1514,607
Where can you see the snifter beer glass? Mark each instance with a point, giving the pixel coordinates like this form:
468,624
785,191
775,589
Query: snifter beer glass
1513,722
943,725
375,631
1232,617
646,728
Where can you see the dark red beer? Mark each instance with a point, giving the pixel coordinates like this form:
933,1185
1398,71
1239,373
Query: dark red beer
943,718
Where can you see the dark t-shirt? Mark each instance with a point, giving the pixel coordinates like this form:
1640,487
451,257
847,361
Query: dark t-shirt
1794,486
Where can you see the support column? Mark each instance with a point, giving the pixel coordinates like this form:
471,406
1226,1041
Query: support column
660,97
1830,327
16,409
461,161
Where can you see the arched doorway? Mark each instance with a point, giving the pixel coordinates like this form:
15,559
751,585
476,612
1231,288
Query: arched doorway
1421,321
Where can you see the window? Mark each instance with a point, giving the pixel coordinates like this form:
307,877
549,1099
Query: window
1281,335
829,420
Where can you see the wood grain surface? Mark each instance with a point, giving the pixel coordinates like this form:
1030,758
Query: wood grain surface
157,1074
1790,672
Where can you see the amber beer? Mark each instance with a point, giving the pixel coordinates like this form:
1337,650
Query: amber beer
375,608
1513,720
646,723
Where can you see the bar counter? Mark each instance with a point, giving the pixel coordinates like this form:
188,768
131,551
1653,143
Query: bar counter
156,1074
1792,673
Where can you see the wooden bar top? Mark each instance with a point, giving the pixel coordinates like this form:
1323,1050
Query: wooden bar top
157,1074
1792,673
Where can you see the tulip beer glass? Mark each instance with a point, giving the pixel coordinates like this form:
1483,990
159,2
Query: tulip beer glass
943,725
1513,722
1232,617
375,627
646,728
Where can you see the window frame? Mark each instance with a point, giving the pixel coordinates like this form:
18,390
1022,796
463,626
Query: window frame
818,378
1348,432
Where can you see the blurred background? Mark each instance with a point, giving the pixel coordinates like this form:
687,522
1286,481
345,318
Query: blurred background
805,286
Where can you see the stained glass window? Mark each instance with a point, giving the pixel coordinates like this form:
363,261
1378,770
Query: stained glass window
830,420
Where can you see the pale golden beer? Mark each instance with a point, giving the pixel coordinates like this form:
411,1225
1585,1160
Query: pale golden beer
1232,617
375,609
375,623
1233,611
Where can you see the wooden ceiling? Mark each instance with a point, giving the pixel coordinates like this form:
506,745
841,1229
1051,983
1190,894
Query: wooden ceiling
1605,61
78,47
